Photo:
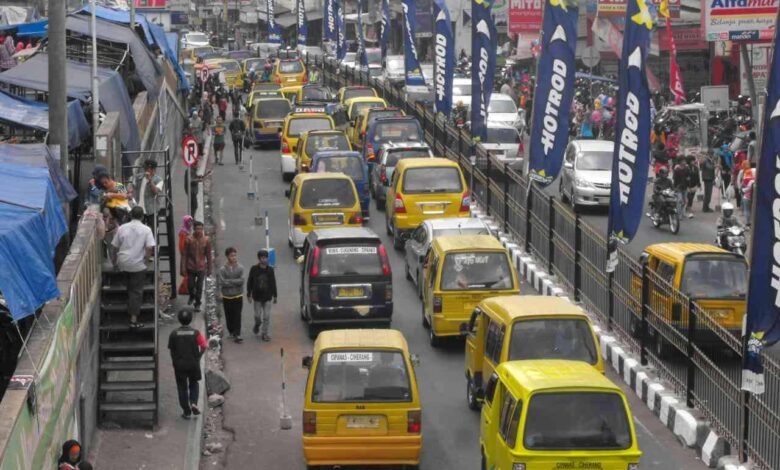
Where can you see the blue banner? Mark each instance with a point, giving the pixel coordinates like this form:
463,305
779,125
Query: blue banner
444,59
384,33
554,92
414,75
303,28
341,46
362,58
484,39
631,157
763,302
329,31
274,34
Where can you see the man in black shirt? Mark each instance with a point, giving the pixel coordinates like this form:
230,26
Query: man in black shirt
237,129
187,346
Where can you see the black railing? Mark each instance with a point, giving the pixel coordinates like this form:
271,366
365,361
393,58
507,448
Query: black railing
657,321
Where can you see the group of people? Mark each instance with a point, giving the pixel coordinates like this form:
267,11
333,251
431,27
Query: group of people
8,48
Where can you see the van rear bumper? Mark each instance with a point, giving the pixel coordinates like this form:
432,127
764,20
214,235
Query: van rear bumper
447,325
373,450
325,315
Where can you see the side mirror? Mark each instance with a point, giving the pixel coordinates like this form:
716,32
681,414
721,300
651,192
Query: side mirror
287,193
464,329
306,362
299,259
415,360
568,165
304,167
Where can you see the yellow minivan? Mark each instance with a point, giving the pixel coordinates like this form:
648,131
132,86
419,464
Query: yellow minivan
555,414
266,119
315,141
291,93
361,404
358,131
232,71
713,277
459,272
421,189
296,124
289,72
511,328
321,200
353,91
355,106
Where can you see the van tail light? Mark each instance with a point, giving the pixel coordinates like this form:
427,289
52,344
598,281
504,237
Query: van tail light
309,422
285,145
314,294
521,150
362,134
356,219
305,78
398,205
298,219
370,152
437,304
383,175
278,80
385,263
304,168
465,202
413,422
389,293
315,263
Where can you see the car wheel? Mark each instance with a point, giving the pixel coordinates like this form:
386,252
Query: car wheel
425,322
434,339
380,204
406,270
471,394
287,177
303,308
561,192
571,200
388,227
483,462
419,284
313,331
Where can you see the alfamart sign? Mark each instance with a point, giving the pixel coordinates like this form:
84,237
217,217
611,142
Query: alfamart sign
739,20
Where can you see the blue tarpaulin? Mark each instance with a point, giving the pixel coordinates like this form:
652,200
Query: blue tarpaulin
31,225
35,115
39,156
173,43
33,74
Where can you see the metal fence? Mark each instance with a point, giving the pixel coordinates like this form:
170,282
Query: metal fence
659,322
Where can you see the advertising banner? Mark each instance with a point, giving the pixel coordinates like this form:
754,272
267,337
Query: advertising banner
424,26
525,16
151,4
685,39
617,8
554,90
444,59
739,20
303,28
362,58
414,75
483,52
341,32
274,33
631,156
329,30
384,33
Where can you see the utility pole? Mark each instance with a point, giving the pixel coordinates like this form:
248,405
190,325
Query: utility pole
95,79
132,15
58,90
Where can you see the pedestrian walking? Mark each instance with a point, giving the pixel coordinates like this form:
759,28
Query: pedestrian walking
196,262
147,188
196,128
261,289
707,169
237,129
222,106
218,135
752,148
747,183
694,183
680,181
230,280
187,345
71,455
134,244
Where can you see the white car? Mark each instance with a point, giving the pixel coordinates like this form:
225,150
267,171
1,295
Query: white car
461,91
503,141
503,109
194,39
586,178
350,60
394,71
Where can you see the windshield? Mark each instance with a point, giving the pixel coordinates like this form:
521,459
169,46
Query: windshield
316,93
476,271
350,166
290,66
594,420
595,161
374,56
393,64
361,376
461,90
502,106
408,131
502,135
715,278
350,57
230,66
553,338
272,109
358,107
327,193
197,37
321,142
256,63
350,260
443,232
393,157
300,125
356,92
432,180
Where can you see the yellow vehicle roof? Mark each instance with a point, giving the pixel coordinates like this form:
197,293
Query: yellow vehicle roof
373,338
510,307
292,116
424,162
545,374
467,242
678,251
220,60
295,88
303,177
364,99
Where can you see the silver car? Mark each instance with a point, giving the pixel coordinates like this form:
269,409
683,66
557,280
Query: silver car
419,242
394,69
586,178
387,158
503,141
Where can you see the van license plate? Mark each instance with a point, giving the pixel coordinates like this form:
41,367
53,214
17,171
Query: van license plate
433,208
350,292
328,219
363,422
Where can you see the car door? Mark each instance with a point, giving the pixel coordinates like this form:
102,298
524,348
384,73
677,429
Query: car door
494,390
509,420
494,340
291,209
568,168
413,250
475,344
305,270
429,284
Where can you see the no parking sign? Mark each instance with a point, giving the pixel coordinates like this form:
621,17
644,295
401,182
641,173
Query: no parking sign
189,150
204,74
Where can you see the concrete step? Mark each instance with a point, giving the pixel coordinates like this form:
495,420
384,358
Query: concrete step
136,407
128,386
145,364
127,346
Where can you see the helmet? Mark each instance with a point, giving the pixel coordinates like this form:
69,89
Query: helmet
663,172
267,66
727,209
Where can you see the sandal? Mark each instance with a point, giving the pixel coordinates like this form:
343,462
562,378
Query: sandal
136,325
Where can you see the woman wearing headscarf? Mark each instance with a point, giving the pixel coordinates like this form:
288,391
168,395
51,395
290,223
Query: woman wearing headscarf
185,231
70,457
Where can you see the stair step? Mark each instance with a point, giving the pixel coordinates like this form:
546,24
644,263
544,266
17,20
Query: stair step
114,325
127,346
128,365
128,386
122,287
122,308
128,407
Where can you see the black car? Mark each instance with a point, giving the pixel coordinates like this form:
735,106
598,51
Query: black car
345,279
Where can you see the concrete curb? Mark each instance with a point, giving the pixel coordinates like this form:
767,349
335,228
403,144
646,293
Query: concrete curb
689,425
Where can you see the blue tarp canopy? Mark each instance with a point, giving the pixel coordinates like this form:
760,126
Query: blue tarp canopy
36,29
35,115
31,225
155,35
34,74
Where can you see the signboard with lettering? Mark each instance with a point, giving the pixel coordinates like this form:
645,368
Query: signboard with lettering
525,16
685,39
151,4
617,8
739,20
760,58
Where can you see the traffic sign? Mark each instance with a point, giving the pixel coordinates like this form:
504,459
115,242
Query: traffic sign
189,150
204,74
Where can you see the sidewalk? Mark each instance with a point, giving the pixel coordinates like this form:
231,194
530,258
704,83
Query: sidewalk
175,444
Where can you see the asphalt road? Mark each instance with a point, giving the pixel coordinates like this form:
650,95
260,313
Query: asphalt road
254,403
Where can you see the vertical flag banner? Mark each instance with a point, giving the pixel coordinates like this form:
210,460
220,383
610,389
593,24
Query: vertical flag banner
384,34
675,78
330,21
341,46
444,58
303,28
361,52
274,35
763,303
554,90
484,39
414,76
631,156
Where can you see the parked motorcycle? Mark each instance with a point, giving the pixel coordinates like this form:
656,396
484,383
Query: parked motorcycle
666,212
732,239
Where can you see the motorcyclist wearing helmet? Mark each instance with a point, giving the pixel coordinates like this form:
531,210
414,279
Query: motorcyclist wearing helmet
661,183
266,77
726,220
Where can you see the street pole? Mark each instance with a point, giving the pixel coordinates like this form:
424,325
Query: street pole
95,90
58,94
751,84
132,14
